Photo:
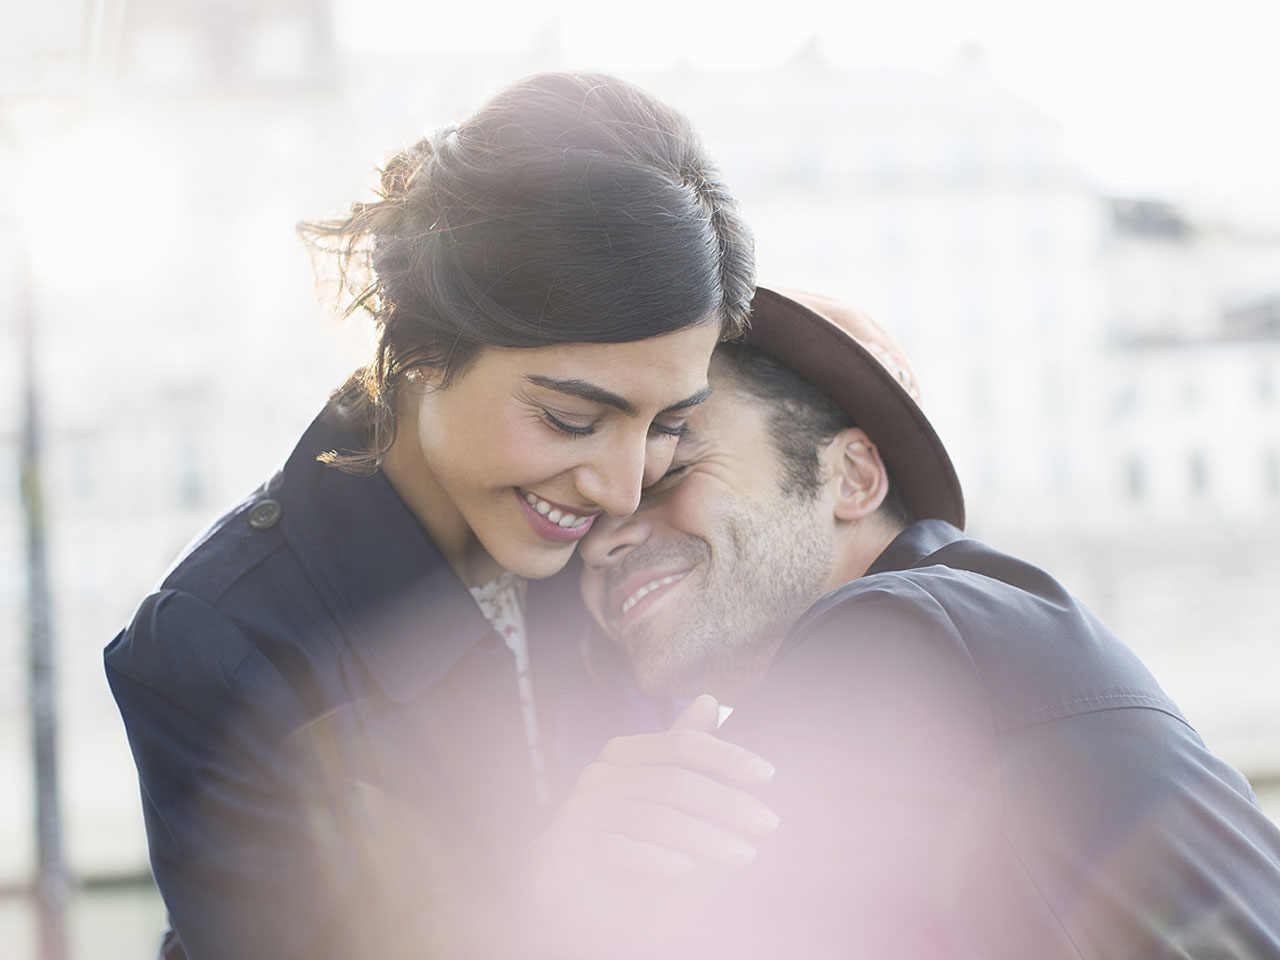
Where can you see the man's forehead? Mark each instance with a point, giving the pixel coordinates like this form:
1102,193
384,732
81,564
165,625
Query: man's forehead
719,422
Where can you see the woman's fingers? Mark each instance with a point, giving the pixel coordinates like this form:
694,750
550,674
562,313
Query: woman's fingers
703,714
692,749
656,825
605,785
659,803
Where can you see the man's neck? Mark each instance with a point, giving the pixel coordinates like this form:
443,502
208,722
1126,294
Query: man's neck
858,546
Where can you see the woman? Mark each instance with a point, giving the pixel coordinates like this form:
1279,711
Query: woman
339,754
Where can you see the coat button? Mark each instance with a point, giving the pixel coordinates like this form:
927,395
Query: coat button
265,514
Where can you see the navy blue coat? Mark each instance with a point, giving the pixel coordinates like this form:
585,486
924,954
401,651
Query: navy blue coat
328,733
971,766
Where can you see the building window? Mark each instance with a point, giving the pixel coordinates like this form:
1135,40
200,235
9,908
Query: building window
1124,402
981,392
1135,478
190,477
80,469
1190,394
1051,383
1198,472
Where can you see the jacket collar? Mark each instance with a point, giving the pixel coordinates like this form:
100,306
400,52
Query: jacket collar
911,548
914,545
404,612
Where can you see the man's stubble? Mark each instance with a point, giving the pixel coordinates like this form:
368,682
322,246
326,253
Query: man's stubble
720,636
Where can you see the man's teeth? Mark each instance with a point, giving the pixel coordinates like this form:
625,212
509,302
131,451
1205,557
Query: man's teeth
552,514
649,587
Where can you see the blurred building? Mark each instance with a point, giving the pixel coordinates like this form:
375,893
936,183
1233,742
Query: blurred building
180,346
1104,370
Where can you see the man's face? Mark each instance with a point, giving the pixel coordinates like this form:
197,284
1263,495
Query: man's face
699,586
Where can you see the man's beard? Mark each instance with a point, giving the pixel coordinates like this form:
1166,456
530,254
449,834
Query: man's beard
744,595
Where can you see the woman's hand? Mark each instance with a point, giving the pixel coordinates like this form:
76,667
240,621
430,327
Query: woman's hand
654,805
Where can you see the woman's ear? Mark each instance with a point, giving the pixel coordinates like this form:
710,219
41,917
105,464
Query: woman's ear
860,479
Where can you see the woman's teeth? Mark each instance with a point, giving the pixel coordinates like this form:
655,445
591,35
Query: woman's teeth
553,514
649,587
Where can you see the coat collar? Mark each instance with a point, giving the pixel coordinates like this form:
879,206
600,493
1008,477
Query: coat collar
404,612
911,548
914,544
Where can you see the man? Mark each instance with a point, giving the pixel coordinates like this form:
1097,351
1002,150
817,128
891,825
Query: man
969,764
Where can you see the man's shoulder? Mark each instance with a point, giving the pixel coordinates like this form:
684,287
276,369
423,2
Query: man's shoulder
1036,651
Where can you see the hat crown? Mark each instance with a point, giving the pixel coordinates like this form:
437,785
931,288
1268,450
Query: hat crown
874,338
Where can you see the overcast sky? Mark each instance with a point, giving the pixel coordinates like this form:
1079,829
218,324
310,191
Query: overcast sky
1155,96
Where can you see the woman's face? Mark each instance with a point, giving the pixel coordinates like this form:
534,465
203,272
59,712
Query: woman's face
508,466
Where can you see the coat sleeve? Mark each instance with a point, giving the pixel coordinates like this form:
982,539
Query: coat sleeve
256,847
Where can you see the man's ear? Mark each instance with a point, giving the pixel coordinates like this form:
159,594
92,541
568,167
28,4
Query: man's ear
859,478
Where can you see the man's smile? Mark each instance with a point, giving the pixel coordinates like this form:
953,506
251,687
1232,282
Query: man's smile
638,591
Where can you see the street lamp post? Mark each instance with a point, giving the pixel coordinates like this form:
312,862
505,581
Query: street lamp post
43,91
51,871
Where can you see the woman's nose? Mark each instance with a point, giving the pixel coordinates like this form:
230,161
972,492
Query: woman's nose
614,479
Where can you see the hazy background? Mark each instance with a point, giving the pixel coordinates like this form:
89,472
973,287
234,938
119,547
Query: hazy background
1070,218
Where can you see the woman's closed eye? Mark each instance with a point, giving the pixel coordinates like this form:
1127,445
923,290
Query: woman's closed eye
675,428
572,426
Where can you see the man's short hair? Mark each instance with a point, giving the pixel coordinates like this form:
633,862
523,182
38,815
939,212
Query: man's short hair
801,421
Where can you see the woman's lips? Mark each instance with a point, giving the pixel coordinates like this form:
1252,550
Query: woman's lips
552,521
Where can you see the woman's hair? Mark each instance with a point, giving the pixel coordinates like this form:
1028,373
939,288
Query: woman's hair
567,208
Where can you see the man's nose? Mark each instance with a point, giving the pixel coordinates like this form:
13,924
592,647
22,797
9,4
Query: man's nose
612,538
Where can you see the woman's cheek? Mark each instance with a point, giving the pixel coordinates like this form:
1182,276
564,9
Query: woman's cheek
527,448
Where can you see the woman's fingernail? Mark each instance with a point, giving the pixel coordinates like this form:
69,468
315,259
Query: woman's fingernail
759,768
765,821
740,851
677,865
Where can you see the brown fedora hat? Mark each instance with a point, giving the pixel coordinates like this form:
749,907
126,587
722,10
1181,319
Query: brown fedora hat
855,362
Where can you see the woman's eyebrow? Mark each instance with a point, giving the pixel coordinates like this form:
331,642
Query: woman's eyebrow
597,394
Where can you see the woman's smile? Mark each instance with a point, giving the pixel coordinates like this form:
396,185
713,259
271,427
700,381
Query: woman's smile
554,521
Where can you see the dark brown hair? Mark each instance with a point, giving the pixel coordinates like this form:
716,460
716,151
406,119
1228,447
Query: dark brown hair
801,421
567,208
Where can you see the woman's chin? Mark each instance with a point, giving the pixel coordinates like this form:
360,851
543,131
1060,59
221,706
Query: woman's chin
535,562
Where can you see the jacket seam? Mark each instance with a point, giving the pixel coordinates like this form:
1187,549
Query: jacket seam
1086,705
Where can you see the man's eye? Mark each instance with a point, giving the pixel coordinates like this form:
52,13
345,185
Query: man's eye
672,472
573,430
664,484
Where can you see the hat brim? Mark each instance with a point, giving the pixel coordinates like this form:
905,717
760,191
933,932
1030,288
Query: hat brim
830,358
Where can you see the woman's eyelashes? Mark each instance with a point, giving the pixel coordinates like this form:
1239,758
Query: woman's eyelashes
670,429
565,427
564,424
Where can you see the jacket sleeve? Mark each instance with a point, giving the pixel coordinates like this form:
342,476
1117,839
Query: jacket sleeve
913,827
884,786
887,784
255,848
